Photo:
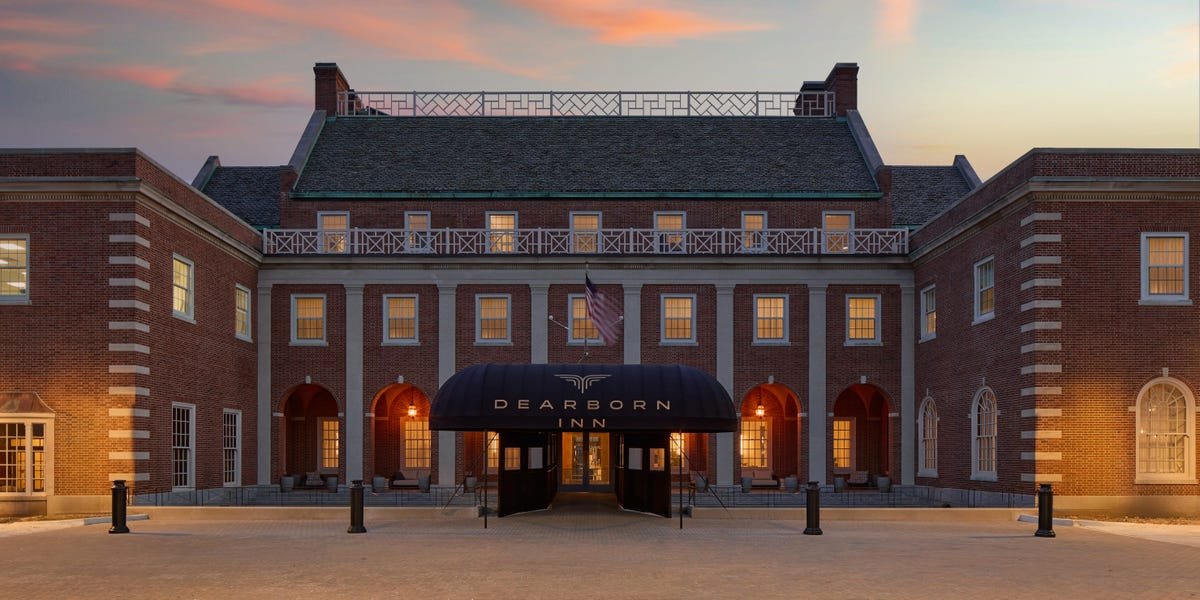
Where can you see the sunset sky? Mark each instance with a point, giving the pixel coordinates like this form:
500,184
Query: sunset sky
988,79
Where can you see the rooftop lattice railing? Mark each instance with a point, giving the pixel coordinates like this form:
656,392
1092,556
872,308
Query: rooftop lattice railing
586,104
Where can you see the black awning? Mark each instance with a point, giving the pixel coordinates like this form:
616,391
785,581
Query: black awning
501,397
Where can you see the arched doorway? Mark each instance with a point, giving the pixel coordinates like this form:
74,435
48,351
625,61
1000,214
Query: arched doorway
770,432
403,442
861,433
312,431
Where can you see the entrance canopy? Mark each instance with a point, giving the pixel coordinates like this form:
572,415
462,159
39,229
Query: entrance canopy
500,397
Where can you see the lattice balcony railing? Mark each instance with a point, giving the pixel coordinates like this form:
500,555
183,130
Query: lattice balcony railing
589,104
542,242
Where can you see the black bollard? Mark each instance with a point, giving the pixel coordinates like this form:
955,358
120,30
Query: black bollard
1045,511
118,508
813,509
356,507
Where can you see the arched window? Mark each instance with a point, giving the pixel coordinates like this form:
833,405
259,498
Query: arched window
1166,451
983,436
927,434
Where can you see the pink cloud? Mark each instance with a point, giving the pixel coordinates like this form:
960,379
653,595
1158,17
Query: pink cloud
156,78
895,21
229,45
30,57
625,23
272,91
41,26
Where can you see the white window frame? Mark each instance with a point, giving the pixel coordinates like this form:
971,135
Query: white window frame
422,447
851,442
923,316
496,236
976,291
662,237
662,321
29,420
976,473
1175,299
783,341
508,320
827,240
236,448
323,242
571,339
324,321
764,425
757,237
1189,459
599,225
420,240
249,334
878,339
190,314
191,447
924,469
321,468
22,298
416,338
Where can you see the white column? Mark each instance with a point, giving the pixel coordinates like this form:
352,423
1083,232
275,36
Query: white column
725,376
354,381
539,315
817,408
264,420
908,387
447,315
633,323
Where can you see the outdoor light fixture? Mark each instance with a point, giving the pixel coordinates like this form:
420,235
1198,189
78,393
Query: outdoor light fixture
759,411
412,410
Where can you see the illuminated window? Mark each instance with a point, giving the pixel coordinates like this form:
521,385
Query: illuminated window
927,453
1164,267
308,319
1166,451
843,444
416,443
585,232
183,292
678,443
502,232
580,324
241,312
753,226
328,450
183,446
678,319
669,231
512,459
419,238
837,229
492,323
929,313
770,318
985,289
231,446
983,427
755,442
23,446
862,319
399,319
493,449
14,269
333,230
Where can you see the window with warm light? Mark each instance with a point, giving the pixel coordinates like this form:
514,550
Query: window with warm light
308,319
862,319
678,443
502,232
755,443
1164,267
983,427
492,438
24,444
579,322
843,444
678,319
183,292
14,269
333,229
928,313
985,289
927,434
1166,451
669,231
770,318
231,447
585,232
416,443
837,230
329,453
183,446
241,312
417,224
754,224
492,323
399,319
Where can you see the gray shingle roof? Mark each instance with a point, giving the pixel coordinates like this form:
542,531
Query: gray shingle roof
251,193
585,154
919,193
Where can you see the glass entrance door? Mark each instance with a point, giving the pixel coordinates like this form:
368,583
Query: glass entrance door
586,461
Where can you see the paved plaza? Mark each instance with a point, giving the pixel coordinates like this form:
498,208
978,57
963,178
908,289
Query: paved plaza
590,554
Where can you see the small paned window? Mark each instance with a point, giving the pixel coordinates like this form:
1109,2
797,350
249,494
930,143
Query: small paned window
23,446
492,322
929,313
333,229
837,229
585,232
502,232
862,319
416,443
400,319
581,325
241,312
231,447
755,443
985,289
928,436
330,436
983,425
308,319
669,229
183,446
14,269
754,224
183,292
418,238
678,444
843,444
678,319
1166,452
770,318
1164,267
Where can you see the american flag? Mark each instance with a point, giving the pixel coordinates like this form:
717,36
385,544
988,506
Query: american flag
602,311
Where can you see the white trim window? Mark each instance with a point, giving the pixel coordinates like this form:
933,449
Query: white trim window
843,444
863,320
927,436
678,322
417,224
770,319
183,288
985,289
183,446
241,312
417,443
754,225
1165,268
399,319
928,313
1166,427
501,232
26,456
14,268
580,325
308,319
983,435
585,232
670,231
333,231
493,319
755,442
231,447
837,229
328,444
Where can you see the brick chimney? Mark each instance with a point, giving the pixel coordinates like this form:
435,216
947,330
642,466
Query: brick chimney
843,82
329,81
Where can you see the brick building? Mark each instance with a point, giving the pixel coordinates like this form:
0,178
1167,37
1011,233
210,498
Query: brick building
867,320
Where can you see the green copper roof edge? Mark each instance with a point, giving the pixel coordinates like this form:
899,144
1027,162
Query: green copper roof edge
590,195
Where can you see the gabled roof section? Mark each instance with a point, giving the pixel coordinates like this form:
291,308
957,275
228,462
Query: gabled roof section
920,193
251,193
540,156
